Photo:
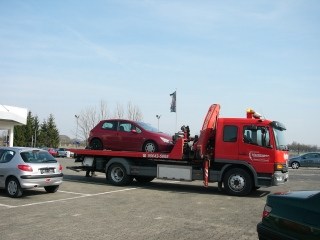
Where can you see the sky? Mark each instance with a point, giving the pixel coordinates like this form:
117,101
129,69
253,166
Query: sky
62,57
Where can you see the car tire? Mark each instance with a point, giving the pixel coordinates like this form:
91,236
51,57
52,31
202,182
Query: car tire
13,188
96,144
295,165
237,182
150,146
51,189
142,179
117,175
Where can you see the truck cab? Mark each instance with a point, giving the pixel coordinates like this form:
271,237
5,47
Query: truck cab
250,146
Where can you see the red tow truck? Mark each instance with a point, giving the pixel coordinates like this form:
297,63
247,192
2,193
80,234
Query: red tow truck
240,154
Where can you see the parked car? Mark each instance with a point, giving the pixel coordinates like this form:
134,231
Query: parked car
27,168
53,152
291,215
311,159
62,152
126,135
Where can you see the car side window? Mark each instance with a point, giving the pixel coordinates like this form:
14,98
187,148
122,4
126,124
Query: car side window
6,156
125,127
111,125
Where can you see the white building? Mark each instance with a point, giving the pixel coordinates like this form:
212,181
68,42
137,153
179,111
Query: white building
10,117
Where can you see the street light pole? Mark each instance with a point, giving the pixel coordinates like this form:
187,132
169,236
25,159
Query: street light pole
158,117
77,117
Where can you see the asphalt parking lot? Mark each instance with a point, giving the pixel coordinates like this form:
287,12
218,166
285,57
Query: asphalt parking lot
89,208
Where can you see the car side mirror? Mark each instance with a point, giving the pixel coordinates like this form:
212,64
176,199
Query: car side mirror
134,131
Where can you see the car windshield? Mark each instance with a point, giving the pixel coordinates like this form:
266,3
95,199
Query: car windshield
37,156
278,130
147,127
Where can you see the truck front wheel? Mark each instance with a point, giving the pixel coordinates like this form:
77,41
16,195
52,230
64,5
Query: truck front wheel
118,176
237,182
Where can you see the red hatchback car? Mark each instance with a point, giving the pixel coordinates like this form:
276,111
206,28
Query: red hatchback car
126,135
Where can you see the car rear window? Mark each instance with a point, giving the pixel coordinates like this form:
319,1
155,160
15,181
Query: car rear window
36,156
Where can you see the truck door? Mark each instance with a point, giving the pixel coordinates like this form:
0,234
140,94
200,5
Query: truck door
227,140
255,147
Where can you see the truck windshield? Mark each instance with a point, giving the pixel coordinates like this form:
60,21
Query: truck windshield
278,130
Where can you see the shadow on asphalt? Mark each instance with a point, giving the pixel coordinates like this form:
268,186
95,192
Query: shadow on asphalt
178,187
26,193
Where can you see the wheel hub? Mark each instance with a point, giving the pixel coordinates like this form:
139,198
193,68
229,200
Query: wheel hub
236,182
12,187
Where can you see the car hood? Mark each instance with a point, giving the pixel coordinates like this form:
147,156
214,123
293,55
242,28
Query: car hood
164,135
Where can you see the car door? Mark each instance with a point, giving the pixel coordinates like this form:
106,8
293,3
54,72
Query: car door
317,160
307,160
314,159
5,165
109,135
130,136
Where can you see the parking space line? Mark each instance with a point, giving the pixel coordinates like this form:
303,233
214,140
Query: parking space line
66,199
85,194
7,206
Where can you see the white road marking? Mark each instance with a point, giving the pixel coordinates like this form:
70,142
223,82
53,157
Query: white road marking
66,199
7,206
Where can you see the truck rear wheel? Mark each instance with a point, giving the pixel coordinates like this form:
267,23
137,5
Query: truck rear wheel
237,182
118,176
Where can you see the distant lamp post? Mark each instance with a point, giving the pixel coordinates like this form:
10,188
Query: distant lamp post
77,117
158,117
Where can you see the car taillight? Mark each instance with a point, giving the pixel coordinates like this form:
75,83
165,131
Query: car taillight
25,168
266,211
60,167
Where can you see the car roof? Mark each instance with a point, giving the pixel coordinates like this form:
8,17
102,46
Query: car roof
118,119
20,149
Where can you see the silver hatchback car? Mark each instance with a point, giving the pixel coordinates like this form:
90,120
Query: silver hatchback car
25,168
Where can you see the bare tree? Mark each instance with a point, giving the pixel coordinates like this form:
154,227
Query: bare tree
90,117
119,112
103,110
133,112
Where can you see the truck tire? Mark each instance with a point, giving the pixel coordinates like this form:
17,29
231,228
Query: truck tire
13,188
96,144
141,179
237,182
118,176
150,146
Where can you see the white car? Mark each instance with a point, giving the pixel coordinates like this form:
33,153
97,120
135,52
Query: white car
26,168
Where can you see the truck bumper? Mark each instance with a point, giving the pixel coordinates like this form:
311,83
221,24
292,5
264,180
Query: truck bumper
280,178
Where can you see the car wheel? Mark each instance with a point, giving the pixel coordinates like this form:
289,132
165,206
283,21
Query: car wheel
237,182
143,179
96,144
13,188
295,165
150,146
117,175
51,189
